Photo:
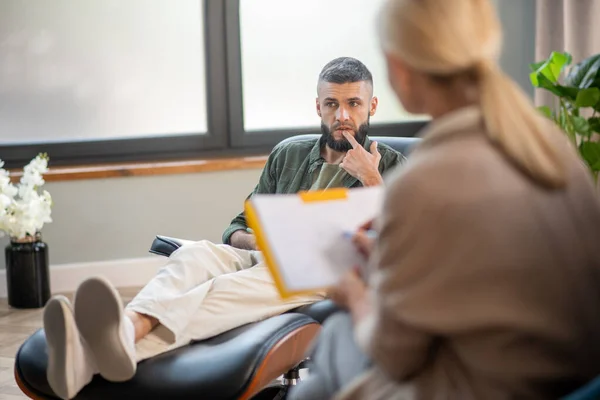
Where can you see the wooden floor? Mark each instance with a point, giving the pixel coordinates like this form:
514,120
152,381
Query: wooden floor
15,327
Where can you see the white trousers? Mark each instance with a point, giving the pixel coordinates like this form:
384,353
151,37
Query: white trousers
206,289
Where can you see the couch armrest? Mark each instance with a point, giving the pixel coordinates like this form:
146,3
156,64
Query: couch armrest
164,245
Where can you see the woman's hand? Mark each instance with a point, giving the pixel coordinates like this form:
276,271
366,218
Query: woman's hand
363,241
351,293
351,289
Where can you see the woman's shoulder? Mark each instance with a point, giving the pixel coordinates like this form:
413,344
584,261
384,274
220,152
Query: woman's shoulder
466,168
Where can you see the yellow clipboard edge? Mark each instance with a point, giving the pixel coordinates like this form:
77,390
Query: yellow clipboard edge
323,195
261,241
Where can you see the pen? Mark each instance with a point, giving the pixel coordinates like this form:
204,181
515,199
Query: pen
371,234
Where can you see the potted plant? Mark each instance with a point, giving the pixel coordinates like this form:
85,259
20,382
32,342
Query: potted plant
577,107
24,210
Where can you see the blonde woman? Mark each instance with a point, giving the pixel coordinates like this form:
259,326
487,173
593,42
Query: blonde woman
485,279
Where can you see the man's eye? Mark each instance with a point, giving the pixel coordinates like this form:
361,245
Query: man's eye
354,104
330,104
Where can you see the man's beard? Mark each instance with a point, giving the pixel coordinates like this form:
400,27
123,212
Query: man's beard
343,144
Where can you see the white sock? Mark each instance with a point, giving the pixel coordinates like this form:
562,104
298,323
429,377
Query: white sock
129,331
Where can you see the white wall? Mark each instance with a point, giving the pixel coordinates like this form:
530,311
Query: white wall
117,218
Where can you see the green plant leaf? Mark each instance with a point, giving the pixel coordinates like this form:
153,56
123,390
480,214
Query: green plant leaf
564,121
567,92
581,126
537,65
594,124
555,65
550,68
587,97
535,79
546,111
585,74
540,80
590,151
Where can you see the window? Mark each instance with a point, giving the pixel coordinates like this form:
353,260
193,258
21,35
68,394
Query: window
101,69
110,80
286,44
277,49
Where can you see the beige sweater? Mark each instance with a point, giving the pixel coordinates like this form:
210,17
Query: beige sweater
487,286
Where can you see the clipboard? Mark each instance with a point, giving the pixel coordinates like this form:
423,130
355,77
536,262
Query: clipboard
303,236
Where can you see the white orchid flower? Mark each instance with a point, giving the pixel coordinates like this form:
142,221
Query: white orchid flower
23,209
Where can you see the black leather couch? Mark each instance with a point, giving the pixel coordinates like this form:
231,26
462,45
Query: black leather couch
239,364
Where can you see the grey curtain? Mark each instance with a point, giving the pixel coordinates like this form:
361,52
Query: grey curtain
566,25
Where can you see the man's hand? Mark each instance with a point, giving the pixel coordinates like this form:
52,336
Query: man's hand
243,240
361,164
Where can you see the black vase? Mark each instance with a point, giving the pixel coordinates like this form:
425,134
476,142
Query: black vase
27,275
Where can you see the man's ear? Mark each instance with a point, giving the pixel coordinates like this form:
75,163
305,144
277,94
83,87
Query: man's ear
318,107
374,104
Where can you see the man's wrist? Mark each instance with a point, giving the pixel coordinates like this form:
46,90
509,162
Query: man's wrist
372,179
242,239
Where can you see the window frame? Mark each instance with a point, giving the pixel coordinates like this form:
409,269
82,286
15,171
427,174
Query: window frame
225,136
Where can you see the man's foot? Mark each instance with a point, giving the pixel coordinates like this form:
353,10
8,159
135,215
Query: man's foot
70,362
108,332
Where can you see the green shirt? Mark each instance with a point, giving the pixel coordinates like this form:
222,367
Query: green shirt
292,165
328,176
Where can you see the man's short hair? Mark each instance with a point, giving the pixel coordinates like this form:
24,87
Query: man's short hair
345,70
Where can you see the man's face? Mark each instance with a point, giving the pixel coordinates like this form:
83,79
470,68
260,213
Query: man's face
345,107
